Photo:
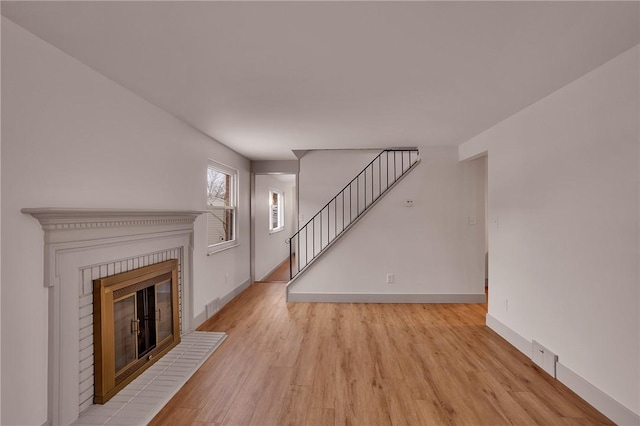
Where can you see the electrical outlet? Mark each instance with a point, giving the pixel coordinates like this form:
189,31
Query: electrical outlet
408,203
390,278
226,278
506,305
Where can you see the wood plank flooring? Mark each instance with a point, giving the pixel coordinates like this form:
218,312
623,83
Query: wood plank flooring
366,364
281,273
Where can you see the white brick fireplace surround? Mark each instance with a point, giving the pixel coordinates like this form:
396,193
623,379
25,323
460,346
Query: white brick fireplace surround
84,244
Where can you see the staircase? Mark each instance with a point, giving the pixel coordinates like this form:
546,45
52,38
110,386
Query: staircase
343,211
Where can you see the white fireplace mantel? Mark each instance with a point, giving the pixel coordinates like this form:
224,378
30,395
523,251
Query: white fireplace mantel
76,238
69,225
66,229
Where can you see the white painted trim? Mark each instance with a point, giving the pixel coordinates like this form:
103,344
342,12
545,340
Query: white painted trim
222,248
516,340
472,149
608,406
199,319
386,298
235,175
602,402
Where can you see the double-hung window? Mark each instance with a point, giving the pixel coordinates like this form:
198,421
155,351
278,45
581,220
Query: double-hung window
276,211
222,193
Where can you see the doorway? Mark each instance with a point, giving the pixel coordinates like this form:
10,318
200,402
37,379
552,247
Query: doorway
485,158
274,222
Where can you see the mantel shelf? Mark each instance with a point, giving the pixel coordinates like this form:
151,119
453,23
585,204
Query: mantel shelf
72,221
53,213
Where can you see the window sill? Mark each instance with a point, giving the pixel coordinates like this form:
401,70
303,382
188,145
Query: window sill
275,231
222,247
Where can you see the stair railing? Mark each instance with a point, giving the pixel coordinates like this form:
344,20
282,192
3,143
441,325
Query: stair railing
343,210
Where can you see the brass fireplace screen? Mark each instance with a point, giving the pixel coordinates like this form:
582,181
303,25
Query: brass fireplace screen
136,321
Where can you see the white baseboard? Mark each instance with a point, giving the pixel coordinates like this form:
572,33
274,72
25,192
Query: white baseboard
602,402
385,298
516,340
608,406
235,292
202,316
199,319
274,269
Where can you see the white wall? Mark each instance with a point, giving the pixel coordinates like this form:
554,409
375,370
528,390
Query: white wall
270,248
72,138
324,173
431,247
564,225
0,233
291,209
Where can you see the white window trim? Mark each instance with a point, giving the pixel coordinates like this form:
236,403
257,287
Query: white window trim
280,210
226,245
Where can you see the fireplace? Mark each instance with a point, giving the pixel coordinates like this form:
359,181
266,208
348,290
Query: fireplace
80,246
135,323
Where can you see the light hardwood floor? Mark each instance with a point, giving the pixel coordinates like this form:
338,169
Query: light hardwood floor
281,273
366,364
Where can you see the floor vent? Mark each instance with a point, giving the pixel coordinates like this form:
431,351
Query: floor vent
544,358
212,307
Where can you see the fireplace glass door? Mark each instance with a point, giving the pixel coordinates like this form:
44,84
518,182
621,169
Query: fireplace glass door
142,320
163,307
146,319
124,310
136,321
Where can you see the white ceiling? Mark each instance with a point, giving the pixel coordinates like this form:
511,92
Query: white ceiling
265,78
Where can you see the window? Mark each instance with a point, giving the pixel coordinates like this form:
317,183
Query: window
221,206
276,211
